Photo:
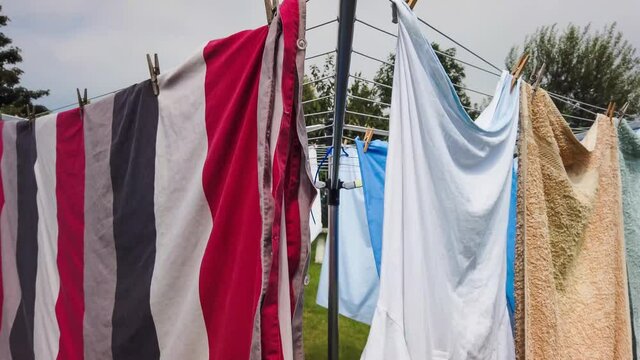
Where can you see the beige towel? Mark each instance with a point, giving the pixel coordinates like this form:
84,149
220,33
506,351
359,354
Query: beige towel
571,286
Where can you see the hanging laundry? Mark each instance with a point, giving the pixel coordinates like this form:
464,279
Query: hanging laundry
447,193
142,226
315,220
571,281
357,278
629,146
372,169
511,245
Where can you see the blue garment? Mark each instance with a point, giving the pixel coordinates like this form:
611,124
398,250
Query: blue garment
372,169
511,244
358,281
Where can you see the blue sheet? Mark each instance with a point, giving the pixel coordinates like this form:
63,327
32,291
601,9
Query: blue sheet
372,169
511,244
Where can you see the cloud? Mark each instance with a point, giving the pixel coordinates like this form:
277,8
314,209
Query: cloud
101,44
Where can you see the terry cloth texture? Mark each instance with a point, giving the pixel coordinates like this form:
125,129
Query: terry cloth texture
571,282
446,211
629,145
372,168
358,281
142,226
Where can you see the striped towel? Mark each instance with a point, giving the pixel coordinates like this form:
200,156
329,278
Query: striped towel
144,226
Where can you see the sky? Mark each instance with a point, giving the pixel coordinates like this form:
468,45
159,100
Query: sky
101,45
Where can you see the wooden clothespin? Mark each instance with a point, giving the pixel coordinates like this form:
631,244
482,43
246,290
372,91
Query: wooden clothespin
82,100
154,71
412,3
518,68
31,113
270,6
611,109
621,113
539,76
368,136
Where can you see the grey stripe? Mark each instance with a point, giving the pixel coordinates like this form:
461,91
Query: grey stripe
266,95
9,227
99,246
21,337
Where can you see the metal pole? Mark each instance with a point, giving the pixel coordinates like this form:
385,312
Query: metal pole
346,21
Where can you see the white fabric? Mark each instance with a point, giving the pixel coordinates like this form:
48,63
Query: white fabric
45,324
447,189
315,219
8,238
357,276
181,149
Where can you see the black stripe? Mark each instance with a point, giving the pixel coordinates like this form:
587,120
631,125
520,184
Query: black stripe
133,152
21,336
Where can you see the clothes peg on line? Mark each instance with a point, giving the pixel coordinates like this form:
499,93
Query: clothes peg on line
154,71
611,110
518,68
621,113
539,76
270,7
368,135
82,100
412,3
31,113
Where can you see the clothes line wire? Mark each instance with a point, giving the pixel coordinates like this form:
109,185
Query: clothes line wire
322,24
437,51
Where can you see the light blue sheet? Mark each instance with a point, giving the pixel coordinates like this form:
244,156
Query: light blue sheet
511,244
358,279
372,170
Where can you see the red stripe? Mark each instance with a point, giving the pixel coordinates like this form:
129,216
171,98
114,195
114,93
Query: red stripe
231,270
271,341
1,209
70,179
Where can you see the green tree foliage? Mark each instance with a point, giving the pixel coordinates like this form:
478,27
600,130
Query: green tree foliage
593,67
13,97
453,68
364,97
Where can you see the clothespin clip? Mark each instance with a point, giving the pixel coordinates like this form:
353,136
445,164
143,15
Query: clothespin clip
518,68
611,109
270,6
154,71
539,76
367,139
31,113
621,113
412,3
82,101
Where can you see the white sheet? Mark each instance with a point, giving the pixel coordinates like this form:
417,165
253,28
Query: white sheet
446,211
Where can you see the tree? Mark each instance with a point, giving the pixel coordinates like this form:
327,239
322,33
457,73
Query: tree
592,67
454,69
369,98
13,97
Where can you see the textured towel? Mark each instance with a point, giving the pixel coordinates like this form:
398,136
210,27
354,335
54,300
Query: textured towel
571,282
630,173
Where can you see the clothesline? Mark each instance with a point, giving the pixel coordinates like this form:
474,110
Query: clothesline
566,99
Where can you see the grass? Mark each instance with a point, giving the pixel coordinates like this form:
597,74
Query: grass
353,334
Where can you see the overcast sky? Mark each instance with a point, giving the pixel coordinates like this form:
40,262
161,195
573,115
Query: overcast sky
101,44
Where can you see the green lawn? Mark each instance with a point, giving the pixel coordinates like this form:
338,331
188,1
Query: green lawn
353,335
